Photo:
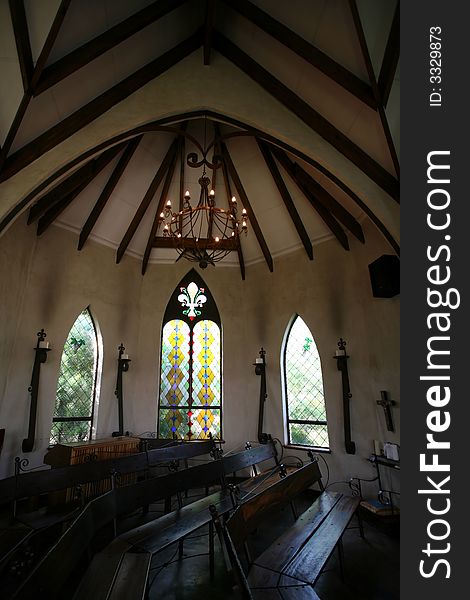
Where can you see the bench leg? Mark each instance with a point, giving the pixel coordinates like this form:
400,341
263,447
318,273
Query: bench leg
341,558
211,549
360,523
294,511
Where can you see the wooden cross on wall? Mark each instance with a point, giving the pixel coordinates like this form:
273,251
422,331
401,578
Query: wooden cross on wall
387,404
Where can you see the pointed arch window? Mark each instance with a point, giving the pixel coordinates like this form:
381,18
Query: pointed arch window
190,395
303,388
76,395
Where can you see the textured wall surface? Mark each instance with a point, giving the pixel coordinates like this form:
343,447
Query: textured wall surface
47,283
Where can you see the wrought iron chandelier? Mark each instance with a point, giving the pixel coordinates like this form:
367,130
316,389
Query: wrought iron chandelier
204,233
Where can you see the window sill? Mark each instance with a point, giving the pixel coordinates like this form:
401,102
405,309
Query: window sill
307,448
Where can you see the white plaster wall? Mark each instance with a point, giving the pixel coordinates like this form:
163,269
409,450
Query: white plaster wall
49,283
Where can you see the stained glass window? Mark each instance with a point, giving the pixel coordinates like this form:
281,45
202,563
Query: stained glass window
305,401
190,401
76,386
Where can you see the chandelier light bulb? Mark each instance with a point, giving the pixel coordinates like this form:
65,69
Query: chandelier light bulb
168,203
244,212
216,238
234,200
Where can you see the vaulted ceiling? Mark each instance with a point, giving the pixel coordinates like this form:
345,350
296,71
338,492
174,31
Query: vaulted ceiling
102,100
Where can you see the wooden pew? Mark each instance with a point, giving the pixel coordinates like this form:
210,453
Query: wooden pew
160,533
41,482
291,565
56,567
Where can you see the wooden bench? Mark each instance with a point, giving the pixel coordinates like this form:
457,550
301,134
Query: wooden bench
291,565
105,571
158,534
37,483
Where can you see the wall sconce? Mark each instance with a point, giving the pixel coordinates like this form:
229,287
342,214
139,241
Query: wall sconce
41,350
123,367
260,369
342,364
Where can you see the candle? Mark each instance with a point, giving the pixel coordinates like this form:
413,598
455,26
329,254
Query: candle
125,356
340,352
259,361
43,344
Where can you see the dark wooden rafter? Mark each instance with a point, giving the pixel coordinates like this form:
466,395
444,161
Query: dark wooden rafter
308,115
149,194
63,189
324,213
81,56
228,192
246,203
50,40
108,190
208,25
373,81
23,46
97,165
305,50
390,59
286,197
161,204
162,124
91,111
330,203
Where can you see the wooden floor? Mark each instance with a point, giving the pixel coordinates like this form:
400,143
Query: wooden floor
371,566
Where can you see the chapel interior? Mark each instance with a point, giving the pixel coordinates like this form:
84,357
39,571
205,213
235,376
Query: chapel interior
199,332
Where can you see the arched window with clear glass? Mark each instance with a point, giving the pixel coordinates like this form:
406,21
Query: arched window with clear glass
305,409
76,395
190,395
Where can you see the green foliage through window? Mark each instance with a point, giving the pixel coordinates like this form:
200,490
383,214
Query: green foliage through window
76,386
306,413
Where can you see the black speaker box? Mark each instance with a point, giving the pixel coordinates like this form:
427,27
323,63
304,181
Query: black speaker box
385,276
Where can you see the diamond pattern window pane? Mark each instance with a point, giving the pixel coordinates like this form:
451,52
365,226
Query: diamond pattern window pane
206,363
70,431
303,434
304,387
190,372
174,379
76,384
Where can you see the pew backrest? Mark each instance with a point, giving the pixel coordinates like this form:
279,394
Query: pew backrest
247,517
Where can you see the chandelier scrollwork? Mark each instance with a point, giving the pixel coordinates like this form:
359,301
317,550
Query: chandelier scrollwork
204,233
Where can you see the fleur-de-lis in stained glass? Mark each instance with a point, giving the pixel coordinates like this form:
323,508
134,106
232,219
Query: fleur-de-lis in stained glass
307,344
77,343
192,297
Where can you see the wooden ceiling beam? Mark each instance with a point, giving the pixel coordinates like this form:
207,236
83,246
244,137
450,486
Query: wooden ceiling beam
286,197
23,46
160,207
228,192
373,81
102,103
325,198
97,165
390,59
246,203
208,26
83,55
149,194
308,115
50,40
64,188
324,213
305,50
108,190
